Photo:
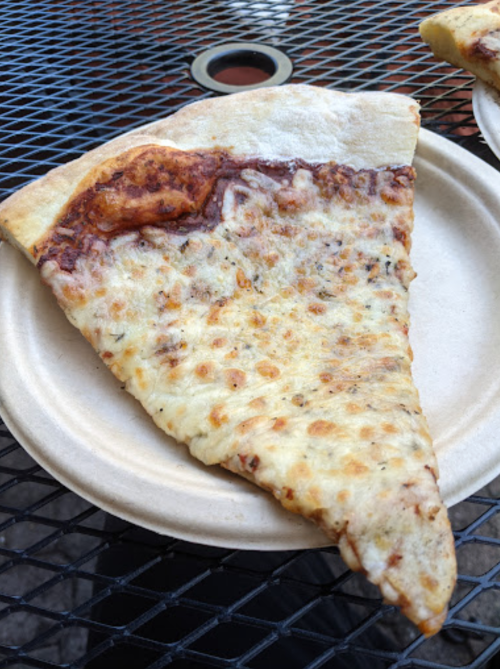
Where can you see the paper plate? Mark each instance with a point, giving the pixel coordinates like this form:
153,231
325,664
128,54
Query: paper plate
71,415
486,106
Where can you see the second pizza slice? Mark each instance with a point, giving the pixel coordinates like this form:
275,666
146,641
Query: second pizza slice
467,37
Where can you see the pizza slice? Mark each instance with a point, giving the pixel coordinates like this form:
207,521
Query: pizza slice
468,37
243,268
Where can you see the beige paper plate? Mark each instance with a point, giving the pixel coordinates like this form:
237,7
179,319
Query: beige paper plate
486,106
71,415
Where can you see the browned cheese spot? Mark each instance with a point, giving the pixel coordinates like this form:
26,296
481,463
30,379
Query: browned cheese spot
343,496
217,417
205,371
171,353
388,364
214,314
235,378
116,308
401,235
74,295
139,375
290,199
355,468
326,377
367,432
259,403
271,259
385,294
367,340
321,428
306,285
389,428
299,472
286,230
247,231
429,582
397,463
242,280
250,424
316,308
171,299
219,342
257,319
299,400
280,424
176,372
267,369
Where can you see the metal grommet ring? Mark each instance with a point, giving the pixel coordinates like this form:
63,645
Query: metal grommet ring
222,68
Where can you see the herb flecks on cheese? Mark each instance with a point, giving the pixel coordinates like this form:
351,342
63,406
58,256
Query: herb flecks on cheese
242,266
270,336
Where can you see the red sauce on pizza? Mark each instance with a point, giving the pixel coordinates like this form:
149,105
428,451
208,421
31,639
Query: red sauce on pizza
183,191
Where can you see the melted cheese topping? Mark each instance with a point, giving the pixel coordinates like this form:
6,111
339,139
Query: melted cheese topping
276,345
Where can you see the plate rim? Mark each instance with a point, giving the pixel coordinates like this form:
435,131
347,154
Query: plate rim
483,105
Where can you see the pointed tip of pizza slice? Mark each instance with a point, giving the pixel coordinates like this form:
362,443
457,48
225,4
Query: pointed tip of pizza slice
394,529
406,548
467,37
243,268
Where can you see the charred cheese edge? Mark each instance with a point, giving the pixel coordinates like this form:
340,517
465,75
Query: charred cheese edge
256,305
468,37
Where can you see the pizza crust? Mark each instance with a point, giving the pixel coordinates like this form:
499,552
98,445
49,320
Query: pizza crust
299,121
287,122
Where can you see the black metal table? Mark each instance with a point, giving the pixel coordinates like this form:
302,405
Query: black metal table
81,589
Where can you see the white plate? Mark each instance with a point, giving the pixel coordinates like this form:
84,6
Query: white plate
71,415
486,106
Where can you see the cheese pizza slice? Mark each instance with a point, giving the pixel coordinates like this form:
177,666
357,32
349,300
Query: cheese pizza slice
243,268
468,37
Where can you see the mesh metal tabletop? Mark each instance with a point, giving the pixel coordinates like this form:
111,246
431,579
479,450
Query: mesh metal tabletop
79,588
